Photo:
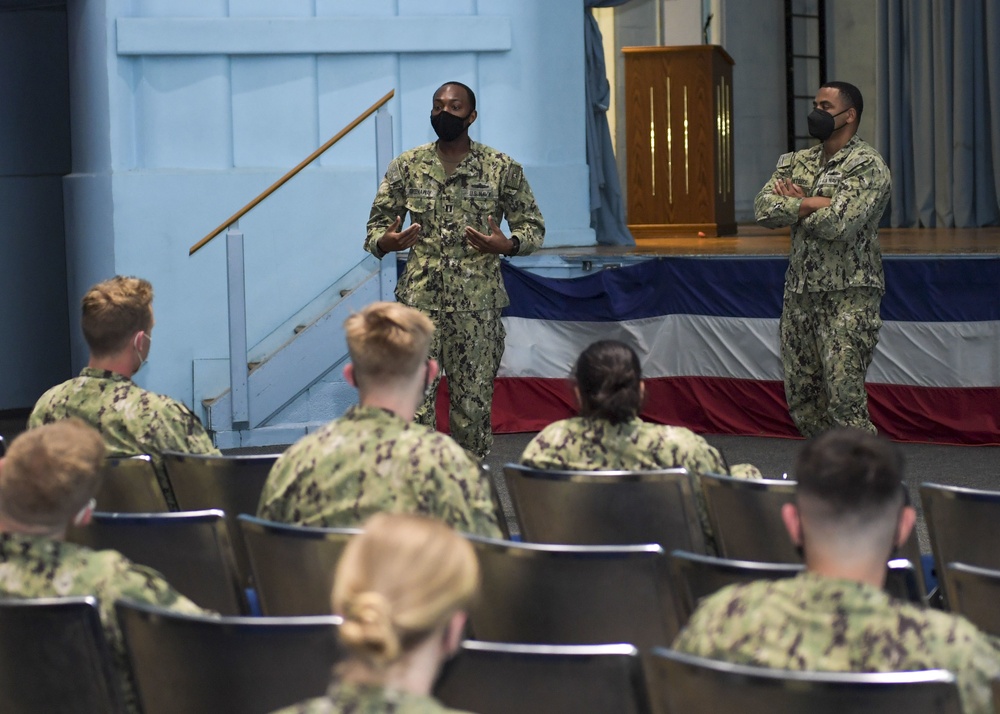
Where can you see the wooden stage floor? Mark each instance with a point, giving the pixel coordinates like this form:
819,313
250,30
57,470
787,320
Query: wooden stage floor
752,239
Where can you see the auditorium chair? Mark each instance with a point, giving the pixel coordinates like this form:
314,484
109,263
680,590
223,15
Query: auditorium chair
129,485
684,684
606,507
500,678
190,549
206,665
54,658
696,576
573,594
230,483
974,593
963,525
293,566
745,515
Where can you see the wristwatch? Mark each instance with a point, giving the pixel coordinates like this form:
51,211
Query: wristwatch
517,246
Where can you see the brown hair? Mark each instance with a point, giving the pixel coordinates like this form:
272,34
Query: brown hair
113,311
608,376
50,473
398,582
387,340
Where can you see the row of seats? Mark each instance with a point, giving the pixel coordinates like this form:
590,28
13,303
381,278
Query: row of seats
585,508
54,654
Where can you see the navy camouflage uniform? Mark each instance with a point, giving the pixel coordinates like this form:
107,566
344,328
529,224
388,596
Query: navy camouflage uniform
834,285
39,566
345,698
131,420
370,460
458,287
812,622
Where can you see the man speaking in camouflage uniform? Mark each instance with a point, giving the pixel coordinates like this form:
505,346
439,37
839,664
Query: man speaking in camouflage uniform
833,196
117,323
48,481
374,458
849,515
457,192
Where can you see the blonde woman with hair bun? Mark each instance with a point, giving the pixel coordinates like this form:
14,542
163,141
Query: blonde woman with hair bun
401,587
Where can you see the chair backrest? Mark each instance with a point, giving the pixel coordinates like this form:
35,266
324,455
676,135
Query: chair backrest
190,549
606,507
745,515
206,665
232,484
681,683
963,525
746,518
696,576
293,566
54,658
130,485
495,678
565,594
975,594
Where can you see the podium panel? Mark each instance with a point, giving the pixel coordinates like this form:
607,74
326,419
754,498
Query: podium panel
679,141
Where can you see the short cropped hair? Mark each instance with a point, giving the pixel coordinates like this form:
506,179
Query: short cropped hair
851,472
468,91
50,472
609,377
851,95
398,582
113,311
387,340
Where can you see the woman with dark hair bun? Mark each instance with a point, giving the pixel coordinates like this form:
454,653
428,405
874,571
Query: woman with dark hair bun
608,433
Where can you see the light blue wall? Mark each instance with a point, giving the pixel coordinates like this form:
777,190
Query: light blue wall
184,109
34,125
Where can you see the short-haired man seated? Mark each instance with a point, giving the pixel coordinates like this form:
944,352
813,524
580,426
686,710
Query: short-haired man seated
374,458
47,481
849,514
117,323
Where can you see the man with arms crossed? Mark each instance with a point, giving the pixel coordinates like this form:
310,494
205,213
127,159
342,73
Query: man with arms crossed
833,196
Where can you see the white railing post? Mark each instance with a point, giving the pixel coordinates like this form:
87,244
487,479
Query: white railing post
238,372
388,270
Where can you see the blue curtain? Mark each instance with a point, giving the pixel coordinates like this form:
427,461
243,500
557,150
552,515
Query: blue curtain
607,214
938,70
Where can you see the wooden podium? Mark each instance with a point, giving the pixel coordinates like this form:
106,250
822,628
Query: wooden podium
678,135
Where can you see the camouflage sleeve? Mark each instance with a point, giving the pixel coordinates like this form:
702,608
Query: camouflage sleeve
857,197
148,586
466,495
770,209
542,451
273,497
179,429
699,636
521,211
390,201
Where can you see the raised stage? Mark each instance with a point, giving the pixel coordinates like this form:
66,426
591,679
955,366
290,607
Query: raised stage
703,314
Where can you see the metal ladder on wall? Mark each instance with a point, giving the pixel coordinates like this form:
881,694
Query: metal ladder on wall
805,64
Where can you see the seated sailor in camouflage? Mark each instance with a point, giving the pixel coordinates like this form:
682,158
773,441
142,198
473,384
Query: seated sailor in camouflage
374,458
401,587
457,192
609,435
833,196
117,321
848,516
47,481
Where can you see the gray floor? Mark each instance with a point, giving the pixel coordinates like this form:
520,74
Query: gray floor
969,466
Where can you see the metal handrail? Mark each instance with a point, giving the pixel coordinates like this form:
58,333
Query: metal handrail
281,181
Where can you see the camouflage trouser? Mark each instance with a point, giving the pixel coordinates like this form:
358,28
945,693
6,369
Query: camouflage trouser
827,342
468,345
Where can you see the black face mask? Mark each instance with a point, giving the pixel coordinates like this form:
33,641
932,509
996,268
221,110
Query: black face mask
821,124
447,126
